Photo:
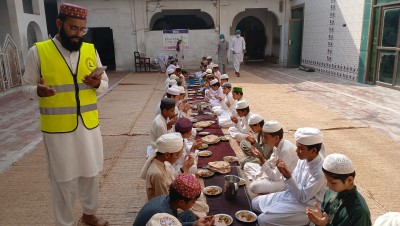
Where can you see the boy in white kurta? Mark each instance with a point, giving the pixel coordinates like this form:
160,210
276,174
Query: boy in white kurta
265,175
241,129
305,186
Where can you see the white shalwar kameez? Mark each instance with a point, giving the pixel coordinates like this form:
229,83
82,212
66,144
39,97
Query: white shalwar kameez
74,159
214,95
157,128
238,45
267,178
287,208
187,145
224,119
242,129
162,61
179,55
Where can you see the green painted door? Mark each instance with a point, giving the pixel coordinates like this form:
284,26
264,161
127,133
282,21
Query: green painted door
295,41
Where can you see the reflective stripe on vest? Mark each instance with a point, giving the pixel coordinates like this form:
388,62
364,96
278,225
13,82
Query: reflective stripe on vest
58,113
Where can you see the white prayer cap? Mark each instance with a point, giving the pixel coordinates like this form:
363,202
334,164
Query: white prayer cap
214,81
242,104
209,71
224,76
172,82
338,163
388,219
215,65
227,84
169,143
209,58
159,219
255,119
272,126
173,76
173,91
170,71
308,136
181,89
203,74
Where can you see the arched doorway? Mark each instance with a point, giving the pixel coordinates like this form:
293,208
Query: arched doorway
33,33
253,31
193,19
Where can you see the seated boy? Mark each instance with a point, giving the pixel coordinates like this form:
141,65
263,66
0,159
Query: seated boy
241,129
265,175
343,204
183,193
304,187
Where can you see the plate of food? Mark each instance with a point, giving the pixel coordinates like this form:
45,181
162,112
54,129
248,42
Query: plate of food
231,159
204,133
208,113
202,124
203,146
205,173
224,138
193,120
204,153
212,190
223,219
199,129
245,216
210,139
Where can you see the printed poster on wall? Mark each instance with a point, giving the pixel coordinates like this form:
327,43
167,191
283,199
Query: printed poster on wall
170,38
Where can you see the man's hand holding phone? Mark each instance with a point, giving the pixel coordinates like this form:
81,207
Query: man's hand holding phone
94,79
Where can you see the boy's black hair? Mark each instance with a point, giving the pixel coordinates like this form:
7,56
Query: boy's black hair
278,133
175,196
241,93
171,96
316,146
244,109
216,84
336,176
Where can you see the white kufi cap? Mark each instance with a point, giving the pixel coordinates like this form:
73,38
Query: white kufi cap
169,143
242,104
173,76
388,219
308,136
173,91
224,76
161,219
255,119
181,89
272,126
338,163
209,58
172,82
214,81
209,71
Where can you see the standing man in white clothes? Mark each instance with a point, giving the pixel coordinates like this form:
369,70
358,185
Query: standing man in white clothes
238,49
59,73
179,52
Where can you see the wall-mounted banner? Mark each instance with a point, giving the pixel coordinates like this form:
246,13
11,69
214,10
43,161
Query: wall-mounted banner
170,38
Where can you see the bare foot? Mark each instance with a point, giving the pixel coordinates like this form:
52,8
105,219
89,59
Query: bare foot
93,220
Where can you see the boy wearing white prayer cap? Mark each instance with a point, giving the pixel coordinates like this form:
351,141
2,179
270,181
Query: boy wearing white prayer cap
227,98
265,175
241,129
157,170
215,94
216,71
224,78
343,204
304,186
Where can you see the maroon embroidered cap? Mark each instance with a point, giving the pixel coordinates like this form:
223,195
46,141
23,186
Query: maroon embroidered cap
187,185
74,11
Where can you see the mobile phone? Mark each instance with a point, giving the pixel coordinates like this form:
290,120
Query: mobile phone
98,71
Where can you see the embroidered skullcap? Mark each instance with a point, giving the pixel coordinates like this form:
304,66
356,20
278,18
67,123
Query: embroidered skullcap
163,219
181,89
172,82
173,76
170,71
187,185
221,36
224,76
271,126
227,84
388,219
255,119
209,58
209,71
215,65
338,163
167,103
75,11
173,91
237,31
308,136
237,89
213,82
183,125
242,104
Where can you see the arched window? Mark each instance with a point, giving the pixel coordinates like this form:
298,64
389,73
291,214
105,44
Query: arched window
181,19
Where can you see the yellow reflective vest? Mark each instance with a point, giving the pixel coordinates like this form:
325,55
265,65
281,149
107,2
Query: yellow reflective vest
59,113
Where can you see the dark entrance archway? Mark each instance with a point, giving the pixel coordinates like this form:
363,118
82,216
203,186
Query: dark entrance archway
253,31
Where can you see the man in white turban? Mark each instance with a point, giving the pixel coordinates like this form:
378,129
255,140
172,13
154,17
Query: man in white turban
265,175
304,186
157,170
343,204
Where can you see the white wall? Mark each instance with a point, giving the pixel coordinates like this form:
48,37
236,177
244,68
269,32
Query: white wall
5,25
345,36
